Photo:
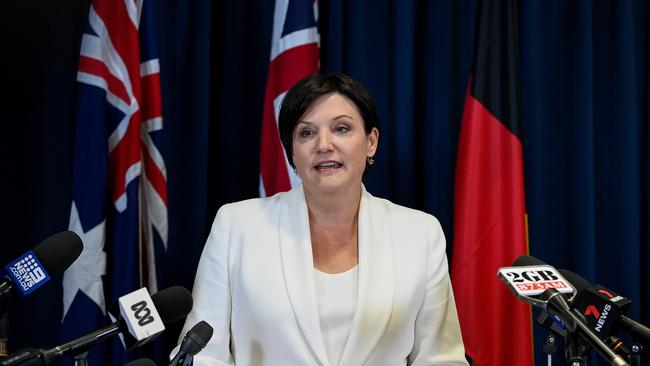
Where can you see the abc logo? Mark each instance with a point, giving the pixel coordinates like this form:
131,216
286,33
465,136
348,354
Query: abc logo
142,312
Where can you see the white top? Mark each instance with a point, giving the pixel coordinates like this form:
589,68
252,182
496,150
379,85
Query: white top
337,301
256,288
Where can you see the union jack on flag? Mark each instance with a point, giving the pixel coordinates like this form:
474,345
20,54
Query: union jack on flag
295,49
119,198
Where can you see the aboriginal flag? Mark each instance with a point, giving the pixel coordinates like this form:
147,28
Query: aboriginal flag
489,204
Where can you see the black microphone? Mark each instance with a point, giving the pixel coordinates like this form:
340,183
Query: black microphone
141,362
605,310
32,270
172,304
537,283
194,341
528,260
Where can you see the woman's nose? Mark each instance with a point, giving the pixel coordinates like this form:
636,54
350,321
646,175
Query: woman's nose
324,142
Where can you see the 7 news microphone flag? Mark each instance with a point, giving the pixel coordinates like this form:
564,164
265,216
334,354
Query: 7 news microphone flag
119,195
489,202
295,50
539,284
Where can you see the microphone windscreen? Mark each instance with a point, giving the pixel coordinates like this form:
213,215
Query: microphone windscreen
527,260
141,362
58,252
200,334
579,282
173,303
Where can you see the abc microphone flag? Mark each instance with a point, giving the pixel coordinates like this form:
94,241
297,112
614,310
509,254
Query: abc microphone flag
171,304
141,318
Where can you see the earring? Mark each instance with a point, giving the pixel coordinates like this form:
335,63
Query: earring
370,160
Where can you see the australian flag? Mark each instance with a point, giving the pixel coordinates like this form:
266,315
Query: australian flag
119,198
295,49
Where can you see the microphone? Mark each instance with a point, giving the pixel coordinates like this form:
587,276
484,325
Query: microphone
141,362
529,277
166,306
605,310
34,268
194,341
539,284
139,315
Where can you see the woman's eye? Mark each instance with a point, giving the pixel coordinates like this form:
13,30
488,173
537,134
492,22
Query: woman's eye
305,132
342,129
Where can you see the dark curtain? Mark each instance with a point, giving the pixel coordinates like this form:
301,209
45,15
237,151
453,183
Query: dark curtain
585,125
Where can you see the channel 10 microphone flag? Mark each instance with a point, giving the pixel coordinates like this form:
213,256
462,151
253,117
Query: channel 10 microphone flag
490,228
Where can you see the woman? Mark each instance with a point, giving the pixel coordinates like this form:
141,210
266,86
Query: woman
326,274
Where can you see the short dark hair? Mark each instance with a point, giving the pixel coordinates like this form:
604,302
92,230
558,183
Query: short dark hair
301,96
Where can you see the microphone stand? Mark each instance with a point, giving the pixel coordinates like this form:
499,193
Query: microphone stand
575,351
636,350
574,322
5,300
550,347
4,336
182,360
80,359
188,361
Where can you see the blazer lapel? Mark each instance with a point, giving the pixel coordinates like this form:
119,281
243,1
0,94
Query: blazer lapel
375,283
298,269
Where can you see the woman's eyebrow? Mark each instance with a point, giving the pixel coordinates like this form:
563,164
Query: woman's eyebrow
333,119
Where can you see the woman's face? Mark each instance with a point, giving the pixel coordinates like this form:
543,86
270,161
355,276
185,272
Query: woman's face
330,145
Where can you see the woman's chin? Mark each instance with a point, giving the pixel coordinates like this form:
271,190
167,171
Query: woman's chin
330,185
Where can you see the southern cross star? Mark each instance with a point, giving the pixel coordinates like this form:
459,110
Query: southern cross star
85,273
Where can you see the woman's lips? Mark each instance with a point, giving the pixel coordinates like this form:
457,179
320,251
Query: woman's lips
328,166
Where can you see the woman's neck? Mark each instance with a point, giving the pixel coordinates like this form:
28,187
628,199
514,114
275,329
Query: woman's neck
334,209
333,224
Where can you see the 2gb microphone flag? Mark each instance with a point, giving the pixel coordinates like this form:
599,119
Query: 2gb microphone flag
119,198
295,52
489,200
533,280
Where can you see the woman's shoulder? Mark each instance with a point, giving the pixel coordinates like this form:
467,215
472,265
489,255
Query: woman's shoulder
415,231
251,207
404,215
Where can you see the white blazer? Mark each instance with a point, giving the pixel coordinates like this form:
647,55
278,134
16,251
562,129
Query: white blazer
255,287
